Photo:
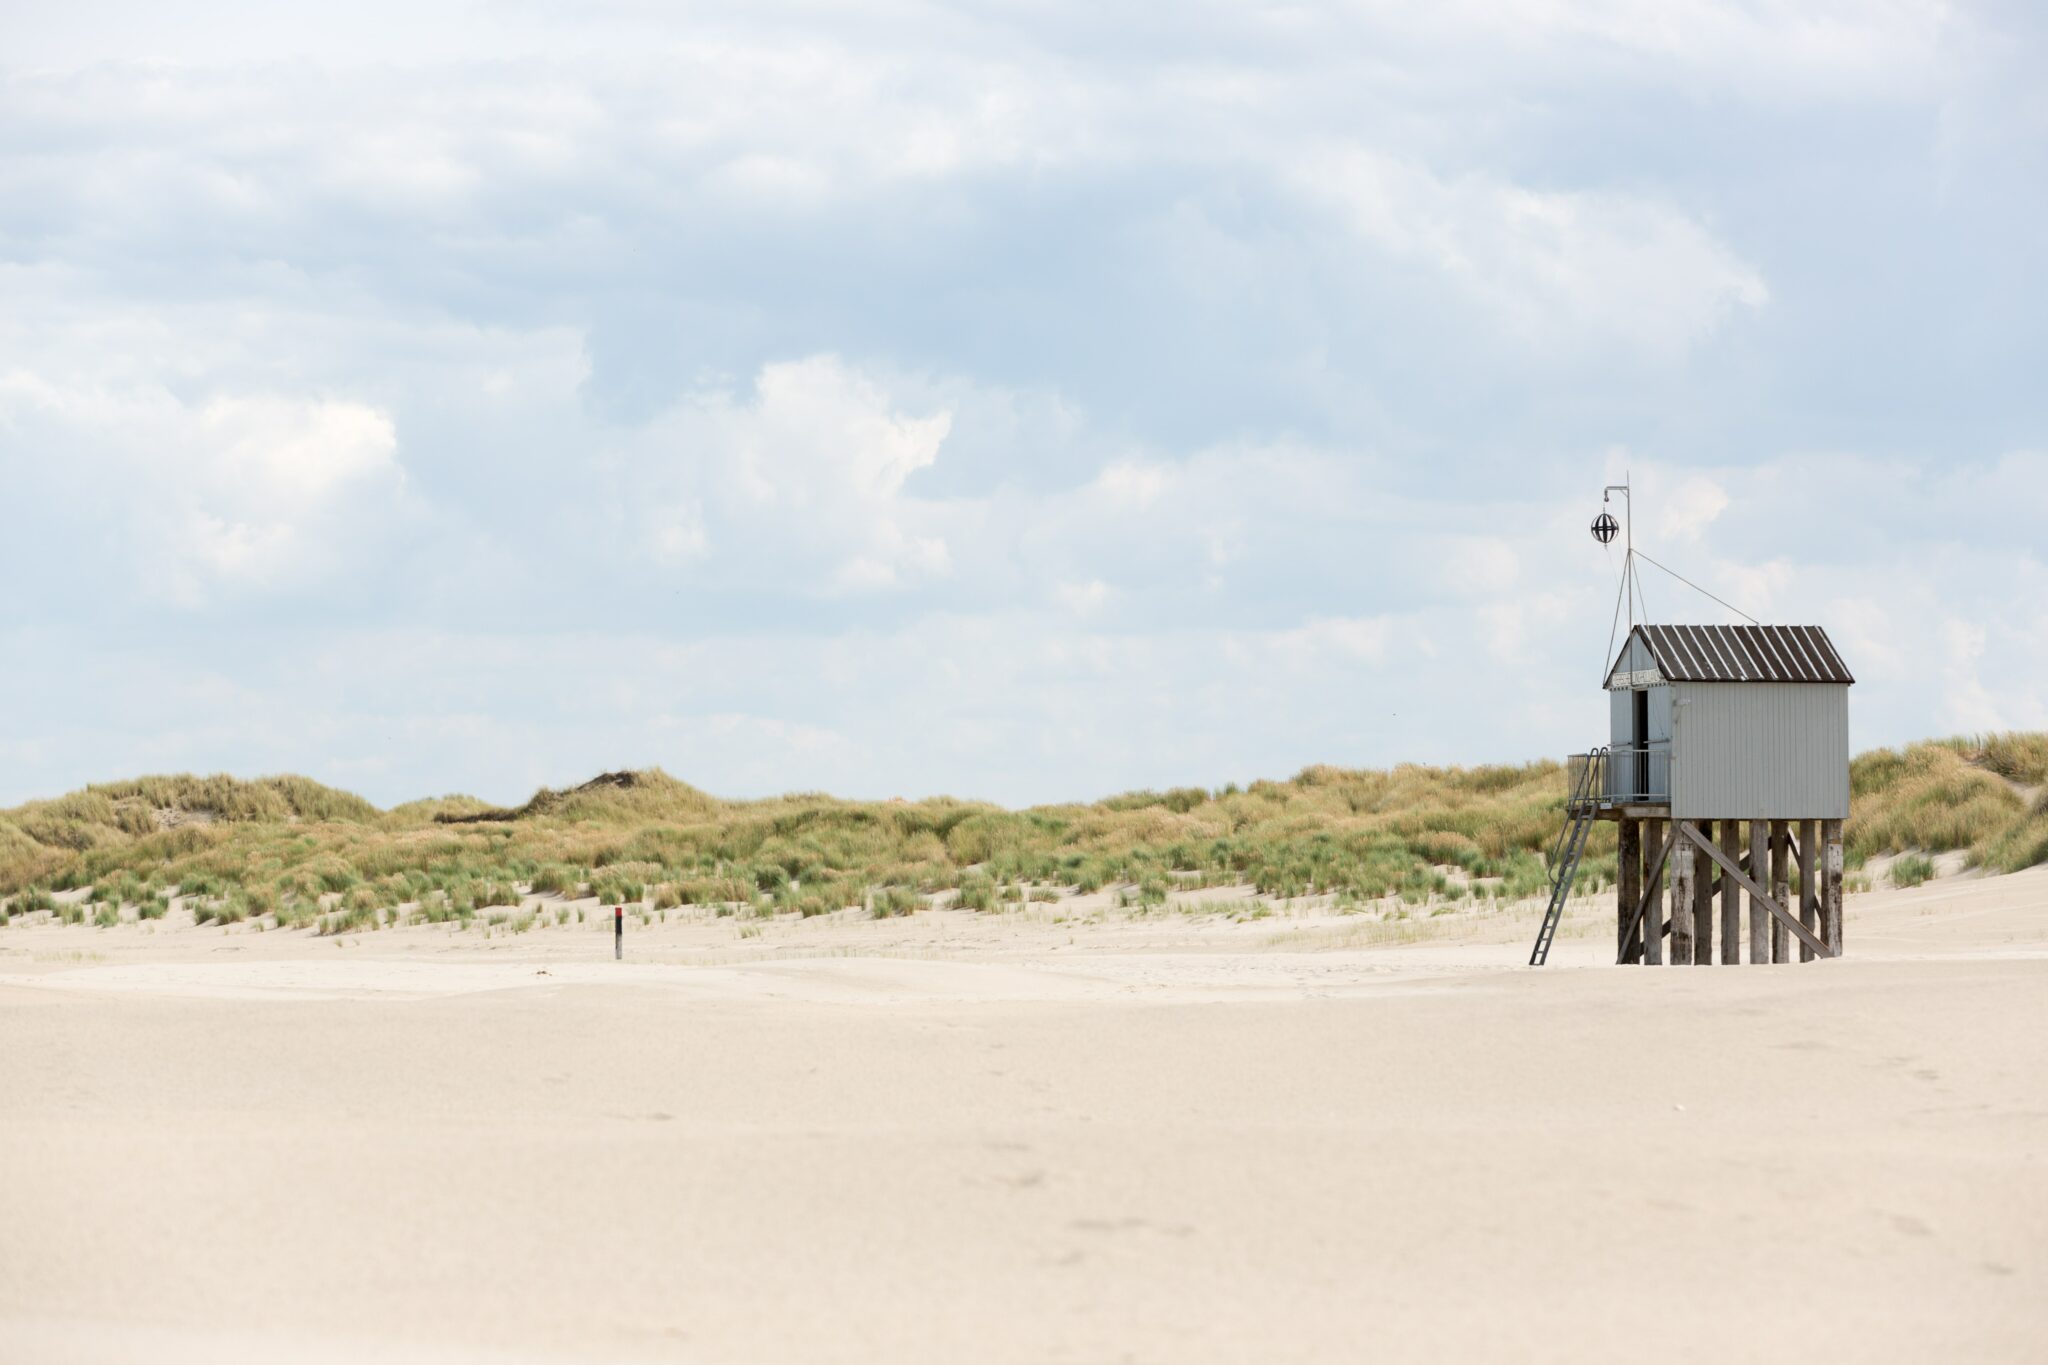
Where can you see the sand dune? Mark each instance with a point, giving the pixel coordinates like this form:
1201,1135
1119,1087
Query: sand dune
1007,1138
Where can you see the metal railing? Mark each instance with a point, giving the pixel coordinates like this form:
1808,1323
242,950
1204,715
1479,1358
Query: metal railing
1585,778
1639,774
1621,775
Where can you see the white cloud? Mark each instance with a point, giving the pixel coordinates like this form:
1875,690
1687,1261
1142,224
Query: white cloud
818,430
281,455
1850,45
1686,509
1554,267
1083,599
800,485
1520,627
1351,639
1765,591
677,535
241,492
1133,484
1966,703
1481,566
1863,631
1974,703
893,559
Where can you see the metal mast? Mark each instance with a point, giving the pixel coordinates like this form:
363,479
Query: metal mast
1631,587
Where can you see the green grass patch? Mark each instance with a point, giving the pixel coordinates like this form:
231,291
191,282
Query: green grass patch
1911,869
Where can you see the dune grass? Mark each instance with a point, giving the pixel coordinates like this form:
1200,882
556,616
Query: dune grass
2018,757
1956,794
1911,869
290,852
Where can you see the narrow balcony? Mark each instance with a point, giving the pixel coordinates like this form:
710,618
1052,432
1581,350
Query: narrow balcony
1621,775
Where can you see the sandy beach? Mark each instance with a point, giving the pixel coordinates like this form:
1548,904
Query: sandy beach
1027,1137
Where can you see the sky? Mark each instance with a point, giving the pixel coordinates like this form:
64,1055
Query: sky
1024,401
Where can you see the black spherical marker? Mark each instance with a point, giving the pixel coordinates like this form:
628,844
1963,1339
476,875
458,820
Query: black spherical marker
1604,528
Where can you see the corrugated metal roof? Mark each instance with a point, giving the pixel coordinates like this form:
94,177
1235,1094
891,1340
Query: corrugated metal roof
1800,654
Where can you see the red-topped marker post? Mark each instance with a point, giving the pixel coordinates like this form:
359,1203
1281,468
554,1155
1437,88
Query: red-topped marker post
618,933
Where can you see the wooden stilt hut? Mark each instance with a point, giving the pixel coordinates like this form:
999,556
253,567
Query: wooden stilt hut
1727,773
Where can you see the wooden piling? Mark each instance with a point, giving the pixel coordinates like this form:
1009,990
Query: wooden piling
1653,922
1703,903
1731,896
1809,889
1759,918
1831,886
1628,883
1683,921
1781,888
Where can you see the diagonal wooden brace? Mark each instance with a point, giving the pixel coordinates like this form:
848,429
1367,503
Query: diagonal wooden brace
1633,948
1751,885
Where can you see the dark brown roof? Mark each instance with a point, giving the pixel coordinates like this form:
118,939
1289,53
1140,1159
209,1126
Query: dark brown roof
1799,654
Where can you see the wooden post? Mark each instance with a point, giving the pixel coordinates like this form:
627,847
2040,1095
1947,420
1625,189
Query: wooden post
1682,919
1731,896
1703,904
1715,855
1809,890
1781,887
1759,918
1653,922
1628,882
1831,887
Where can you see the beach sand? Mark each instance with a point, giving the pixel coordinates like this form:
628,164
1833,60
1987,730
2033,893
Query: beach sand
1027,1137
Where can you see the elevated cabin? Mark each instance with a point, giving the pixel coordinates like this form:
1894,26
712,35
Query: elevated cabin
1712,729
1729,722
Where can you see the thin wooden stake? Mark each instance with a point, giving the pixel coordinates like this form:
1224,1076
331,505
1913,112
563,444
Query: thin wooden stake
1759,918
1809,889
1652,930
1703,904
1831,887
1628,871
1781,888
1731,899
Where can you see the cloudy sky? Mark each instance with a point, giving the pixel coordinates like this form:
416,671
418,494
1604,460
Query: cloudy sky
1020,400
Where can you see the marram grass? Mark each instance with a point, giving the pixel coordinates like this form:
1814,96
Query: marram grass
289,851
